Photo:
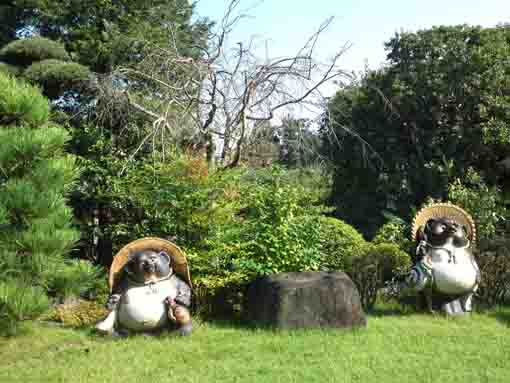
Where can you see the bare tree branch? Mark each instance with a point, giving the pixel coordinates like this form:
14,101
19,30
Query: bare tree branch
224,95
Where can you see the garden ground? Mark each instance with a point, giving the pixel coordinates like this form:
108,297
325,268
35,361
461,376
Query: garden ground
393,348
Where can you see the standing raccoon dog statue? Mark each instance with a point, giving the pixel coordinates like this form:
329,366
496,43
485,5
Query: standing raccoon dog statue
150,289
445,272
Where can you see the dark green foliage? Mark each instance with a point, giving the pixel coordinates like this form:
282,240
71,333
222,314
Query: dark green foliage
172,198
495,286
120,35
376,266
299,145
76,278
493,258
410,129
24,52
7,22
55,76
485,203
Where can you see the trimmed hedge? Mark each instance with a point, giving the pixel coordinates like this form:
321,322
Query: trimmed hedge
9,69
55,76
375,267
340,242
24,52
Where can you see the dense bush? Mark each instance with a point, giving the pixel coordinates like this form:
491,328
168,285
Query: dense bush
55,76
340,242
276,228
238,224
484,203
396,232
24,52
76,278
493,258
174,198
9,69
377,265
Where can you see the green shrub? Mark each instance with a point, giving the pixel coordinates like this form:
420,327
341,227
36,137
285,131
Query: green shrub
269,225
377,265
484,203
493,259
312,179
55,76
9,69
75,278
24,52
21,103
340,242
276,228
494,287
19,300
395,232
175,198
219,296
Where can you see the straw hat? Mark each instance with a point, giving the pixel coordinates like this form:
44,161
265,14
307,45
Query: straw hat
449,210
178,259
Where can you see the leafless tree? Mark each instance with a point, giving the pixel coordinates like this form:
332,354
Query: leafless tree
222,97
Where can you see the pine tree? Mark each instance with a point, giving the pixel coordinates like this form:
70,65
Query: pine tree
46,63
35,175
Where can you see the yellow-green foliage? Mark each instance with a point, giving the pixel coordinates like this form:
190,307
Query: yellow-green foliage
21,103
340,242
219,295
82,313
19,301
394,232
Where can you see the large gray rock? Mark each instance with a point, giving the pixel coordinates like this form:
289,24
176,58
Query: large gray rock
304,300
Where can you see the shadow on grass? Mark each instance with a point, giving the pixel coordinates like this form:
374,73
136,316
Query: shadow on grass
393,308
501,314
390,311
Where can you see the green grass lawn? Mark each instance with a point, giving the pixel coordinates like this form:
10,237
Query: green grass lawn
393,348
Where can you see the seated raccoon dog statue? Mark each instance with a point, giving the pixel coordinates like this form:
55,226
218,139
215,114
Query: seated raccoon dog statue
445,271
148,297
